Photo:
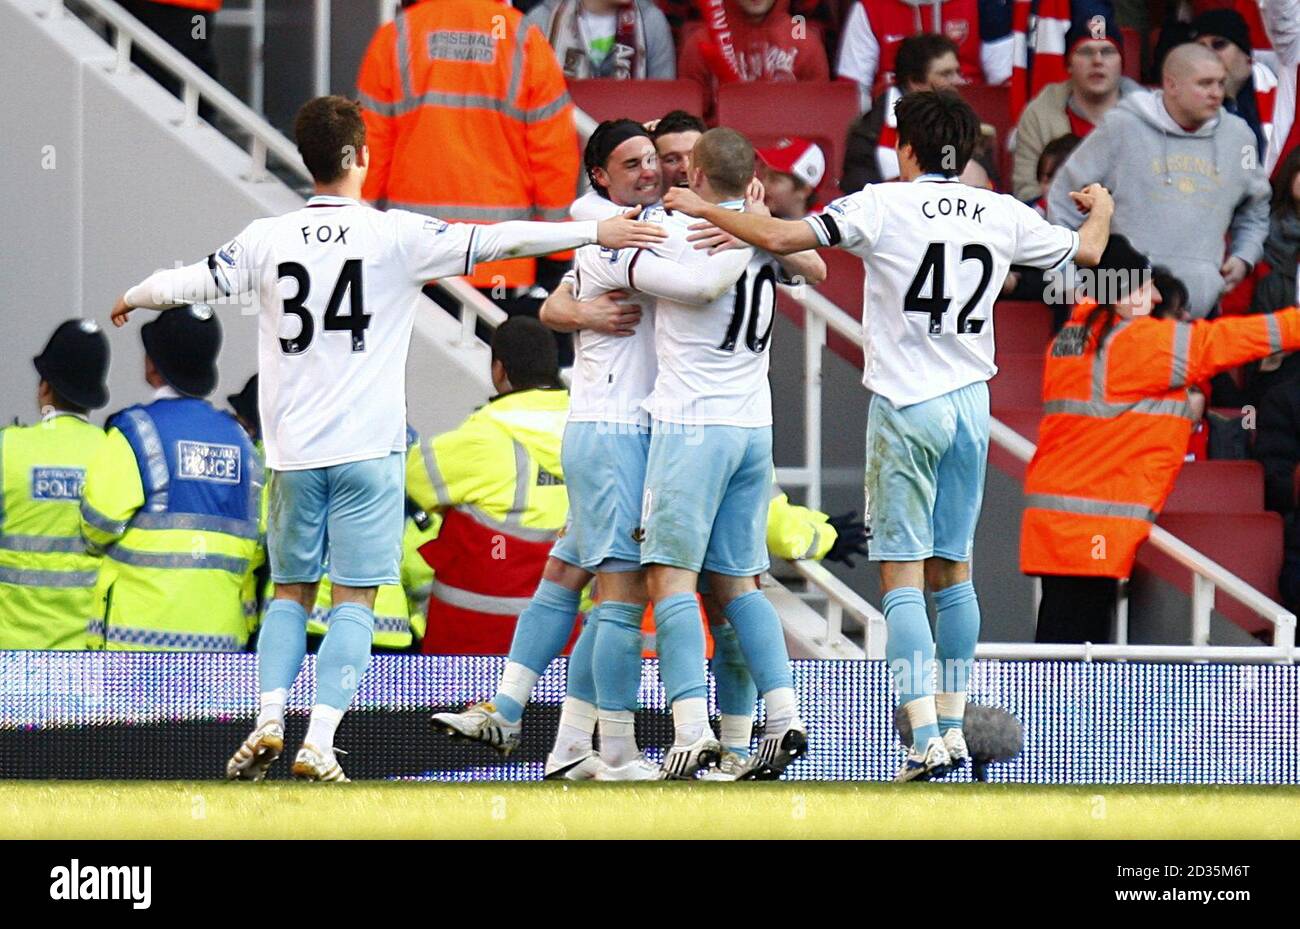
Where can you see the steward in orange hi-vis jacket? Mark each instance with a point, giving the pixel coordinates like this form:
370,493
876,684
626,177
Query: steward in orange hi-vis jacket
468,119
1113,439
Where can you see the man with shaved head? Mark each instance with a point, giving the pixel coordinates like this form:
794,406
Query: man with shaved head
1186,176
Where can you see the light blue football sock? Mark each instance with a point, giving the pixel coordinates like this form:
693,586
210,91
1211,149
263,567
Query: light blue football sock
582,678
617,655
679,639
281,645
957,630
737,692
540,633
762,640
344,654
910,651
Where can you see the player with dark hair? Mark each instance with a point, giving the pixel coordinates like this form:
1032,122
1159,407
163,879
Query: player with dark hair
935,251
603,457
338,286
675,136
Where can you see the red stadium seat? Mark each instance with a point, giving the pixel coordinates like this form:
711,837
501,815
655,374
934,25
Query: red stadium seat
818,110
642,100
1018,385
1022,327
1131,40
1218,487
843,284
993,105
1247,544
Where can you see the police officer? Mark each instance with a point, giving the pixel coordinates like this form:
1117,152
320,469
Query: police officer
172,500
47,581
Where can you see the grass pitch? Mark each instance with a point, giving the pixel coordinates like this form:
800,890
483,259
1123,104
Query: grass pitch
216,810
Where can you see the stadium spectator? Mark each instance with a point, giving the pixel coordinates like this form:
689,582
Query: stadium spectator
1073,106
1250,89
438,78
1118,419
497,481
1174,161
185,25
48,594
617,39
172,501
675,136
927,61
750,40
825,14
790,171
874,29
1051,158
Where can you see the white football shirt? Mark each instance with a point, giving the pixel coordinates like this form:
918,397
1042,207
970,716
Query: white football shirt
936,253
612,375
339,284
713,325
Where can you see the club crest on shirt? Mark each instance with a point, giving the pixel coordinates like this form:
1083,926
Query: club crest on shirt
203,461
58,483
957,30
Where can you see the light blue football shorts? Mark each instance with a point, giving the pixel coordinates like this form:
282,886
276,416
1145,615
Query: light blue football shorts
707,490
354,512
604,470
925,475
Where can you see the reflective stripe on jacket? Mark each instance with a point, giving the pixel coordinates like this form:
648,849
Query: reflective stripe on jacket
172,499
498,480
468,118
48,596
1116,428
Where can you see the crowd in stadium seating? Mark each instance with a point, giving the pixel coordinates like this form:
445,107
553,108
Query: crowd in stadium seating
1065,105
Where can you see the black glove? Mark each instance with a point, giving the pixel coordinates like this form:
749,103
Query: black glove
851,537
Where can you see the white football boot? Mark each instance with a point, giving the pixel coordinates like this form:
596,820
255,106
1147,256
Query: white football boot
934,762
638,769
729,768
775,752
252,759
582,768
311,764
955,742
681,762
480,723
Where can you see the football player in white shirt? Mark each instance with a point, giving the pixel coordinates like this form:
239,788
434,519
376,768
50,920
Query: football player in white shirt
603,456
708,475
935,253
339,284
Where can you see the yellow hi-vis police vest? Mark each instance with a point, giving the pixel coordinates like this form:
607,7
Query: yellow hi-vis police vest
172,499
396,605
48,595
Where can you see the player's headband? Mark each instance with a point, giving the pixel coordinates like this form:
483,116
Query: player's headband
608,136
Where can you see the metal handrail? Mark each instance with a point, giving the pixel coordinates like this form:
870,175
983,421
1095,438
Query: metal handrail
196,85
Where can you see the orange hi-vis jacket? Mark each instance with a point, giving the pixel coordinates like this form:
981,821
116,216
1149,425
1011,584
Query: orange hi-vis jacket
1116,428
468,119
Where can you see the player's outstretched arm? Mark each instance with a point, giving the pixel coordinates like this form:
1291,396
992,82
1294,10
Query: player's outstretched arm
778,236
167,288
1096,201
520,239
697,285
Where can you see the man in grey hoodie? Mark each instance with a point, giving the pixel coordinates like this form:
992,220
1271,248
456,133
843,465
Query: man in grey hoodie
1185,175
